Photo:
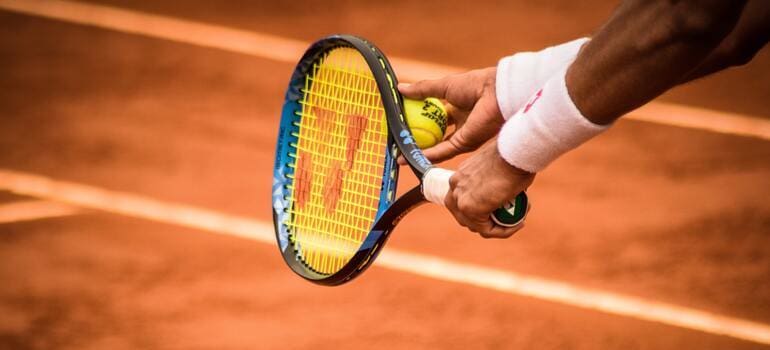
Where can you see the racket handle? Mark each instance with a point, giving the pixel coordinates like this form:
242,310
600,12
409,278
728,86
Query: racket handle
435,186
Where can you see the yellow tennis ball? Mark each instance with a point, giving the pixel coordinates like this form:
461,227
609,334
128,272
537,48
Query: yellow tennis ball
427,119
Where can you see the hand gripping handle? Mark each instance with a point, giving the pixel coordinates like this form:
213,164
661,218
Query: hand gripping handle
435,186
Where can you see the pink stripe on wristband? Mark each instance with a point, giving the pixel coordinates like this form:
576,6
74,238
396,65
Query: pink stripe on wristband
547,127
520,75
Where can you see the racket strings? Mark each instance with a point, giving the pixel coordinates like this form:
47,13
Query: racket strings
340,160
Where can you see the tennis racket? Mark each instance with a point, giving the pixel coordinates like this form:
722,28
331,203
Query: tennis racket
334,189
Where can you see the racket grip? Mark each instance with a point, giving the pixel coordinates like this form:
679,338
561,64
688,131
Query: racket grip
435,186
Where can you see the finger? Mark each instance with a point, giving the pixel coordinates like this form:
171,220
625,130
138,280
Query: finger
450,113
459,141
486,106
450,203
503,232
481,223
455,115
466,222
453,181
482,227
455,145
473,219
425,88
442,151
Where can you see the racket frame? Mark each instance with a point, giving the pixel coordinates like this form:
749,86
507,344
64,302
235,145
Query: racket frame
400,139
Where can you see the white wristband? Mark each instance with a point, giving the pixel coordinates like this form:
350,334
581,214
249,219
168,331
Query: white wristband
520,75
547,127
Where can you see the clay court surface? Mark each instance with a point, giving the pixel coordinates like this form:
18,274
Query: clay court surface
653,212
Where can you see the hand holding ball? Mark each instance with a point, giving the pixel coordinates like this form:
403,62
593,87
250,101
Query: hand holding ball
427,120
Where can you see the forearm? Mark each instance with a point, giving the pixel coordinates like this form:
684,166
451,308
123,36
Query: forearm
646,48
751,33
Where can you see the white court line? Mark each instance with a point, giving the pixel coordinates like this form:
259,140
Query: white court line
288,50
419,264
28,210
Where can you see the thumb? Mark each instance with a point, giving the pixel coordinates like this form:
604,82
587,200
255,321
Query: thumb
468,136
448,149
440,152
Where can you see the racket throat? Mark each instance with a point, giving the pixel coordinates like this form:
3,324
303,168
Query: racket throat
400,208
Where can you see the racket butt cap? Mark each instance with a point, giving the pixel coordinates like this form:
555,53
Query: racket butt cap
513,213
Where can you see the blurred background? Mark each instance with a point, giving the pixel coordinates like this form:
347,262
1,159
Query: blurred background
93,93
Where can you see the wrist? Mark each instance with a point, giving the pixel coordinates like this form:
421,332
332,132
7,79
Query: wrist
509,169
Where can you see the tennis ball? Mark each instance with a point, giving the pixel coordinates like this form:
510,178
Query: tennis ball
427,119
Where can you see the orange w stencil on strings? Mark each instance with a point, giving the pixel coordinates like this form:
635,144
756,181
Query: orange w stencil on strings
341,144
325,125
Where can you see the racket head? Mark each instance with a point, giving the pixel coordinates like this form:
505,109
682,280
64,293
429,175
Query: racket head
332,207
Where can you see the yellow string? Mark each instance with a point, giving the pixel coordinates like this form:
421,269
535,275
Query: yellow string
339,88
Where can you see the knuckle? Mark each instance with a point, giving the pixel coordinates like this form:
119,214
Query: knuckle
460,220
464,206
470,207
483,228
460,143
489,84
449,201
453,181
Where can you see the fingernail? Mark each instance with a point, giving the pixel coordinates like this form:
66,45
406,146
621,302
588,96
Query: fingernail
403,85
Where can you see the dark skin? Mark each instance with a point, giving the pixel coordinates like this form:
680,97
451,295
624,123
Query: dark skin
620,70
644,49
749,35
